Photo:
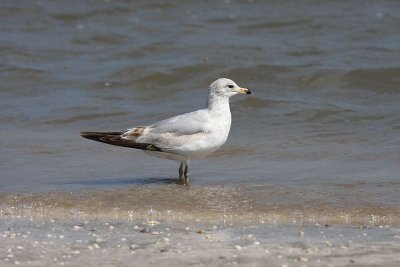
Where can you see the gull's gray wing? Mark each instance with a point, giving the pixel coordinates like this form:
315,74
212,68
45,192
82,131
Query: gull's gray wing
171,134
185,124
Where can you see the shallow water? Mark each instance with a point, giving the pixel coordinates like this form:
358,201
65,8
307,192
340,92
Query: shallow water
319,141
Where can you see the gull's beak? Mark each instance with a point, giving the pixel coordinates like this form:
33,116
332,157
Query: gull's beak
245,91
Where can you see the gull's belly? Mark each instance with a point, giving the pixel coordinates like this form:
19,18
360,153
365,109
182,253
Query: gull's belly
198,148
204,146
206,143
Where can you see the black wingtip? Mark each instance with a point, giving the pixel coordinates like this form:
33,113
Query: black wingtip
88,134
114,138
84,134
96,136
91,135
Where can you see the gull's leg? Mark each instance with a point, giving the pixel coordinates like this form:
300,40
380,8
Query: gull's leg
186,173
181,173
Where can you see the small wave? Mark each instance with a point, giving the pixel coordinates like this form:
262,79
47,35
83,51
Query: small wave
319,78
381,80
169,78
143,51
275,24
331,115
260,72
85,117
109,39
83,13
257,103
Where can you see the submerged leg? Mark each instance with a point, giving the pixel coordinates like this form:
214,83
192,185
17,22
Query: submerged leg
186,173
181,173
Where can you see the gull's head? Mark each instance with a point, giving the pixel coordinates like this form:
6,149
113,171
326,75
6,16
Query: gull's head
227,88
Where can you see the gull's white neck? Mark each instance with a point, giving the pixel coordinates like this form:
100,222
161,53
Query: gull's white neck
220,115
218,104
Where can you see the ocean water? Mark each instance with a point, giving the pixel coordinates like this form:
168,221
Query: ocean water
318,142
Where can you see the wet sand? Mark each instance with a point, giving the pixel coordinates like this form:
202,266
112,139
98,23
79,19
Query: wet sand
65,242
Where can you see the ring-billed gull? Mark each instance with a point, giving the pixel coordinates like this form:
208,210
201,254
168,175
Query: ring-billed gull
184,137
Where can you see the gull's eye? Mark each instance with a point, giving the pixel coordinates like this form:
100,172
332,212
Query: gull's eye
230,86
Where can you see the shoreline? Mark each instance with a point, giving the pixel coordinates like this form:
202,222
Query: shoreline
214,204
